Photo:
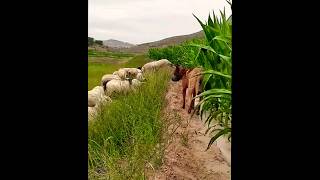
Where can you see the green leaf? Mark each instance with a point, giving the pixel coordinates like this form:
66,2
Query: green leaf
209,118
210,22
229,2
206,81
206,98
226,58
208,36
214,92
225,40
220,133
208,129
214,130
213,72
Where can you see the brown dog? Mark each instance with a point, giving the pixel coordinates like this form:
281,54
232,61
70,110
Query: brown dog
189,81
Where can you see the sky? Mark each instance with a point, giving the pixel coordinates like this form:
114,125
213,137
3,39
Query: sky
141,21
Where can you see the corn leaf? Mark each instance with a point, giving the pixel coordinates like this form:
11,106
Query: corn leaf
220,133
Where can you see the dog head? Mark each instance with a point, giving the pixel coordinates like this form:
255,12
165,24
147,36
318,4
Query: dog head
178,73
200,85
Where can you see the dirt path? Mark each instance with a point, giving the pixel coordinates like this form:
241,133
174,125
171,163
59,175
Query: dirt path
185,156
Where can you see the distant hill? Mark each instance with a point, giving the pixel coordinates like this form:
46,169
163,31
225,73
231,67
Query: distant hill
117,44
99,48
143,48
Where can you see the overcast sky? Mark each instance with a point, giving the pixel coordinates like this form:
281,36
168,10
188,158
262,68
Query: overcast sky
140,21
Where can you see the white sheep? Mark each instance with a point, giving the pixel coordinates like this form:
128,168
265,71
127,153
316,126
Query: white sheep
150,66
92,100
163,63
135,83
115,73
92,112
155,65
121,73
97,97
140,76
121,86
106,78
132,73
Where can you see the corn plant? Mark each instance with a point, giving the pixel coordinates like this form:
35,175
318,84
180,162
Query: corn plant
216,59
182,54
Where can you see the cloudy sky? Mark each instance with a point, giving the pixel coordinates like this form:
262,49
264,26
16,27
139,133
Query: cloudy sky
140,21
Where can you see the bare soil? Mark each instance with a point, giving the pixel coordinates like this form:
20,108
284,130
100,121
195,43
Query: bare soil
185,157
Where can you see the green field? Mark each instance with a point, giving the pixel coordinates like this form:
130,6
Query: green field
100,63
127,134
93,53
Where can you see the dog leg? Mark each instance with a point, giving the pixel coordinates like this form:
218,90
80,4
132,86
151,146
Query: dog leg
191,94
198,109
198,89
184,89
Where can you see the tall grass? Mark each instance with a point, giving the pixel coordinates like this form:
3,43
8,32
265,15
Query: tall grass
124,136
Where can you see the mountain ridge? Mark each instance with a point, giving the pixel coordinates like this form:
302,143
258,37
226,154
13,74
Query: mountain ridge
113,43
144,47
121,46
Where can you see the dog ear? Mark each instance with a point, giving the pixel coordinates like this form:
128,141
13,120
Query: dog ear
183,71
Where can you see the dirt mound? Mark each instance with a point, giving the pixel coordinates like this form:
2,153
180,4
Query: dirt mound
185,157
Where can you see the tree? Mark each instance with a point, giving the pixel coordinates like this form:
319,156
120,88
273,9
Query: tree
99,42
90,41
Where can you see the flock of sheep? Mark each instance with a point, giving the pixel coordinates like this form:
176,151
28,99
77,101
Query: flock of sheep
123,80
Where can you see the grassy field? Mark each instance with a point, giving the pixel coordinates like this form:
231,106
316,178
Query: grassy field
123,138
101,63
93,53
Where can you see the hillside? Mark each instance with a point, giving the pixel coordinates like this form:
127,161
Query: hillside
117,44
143,48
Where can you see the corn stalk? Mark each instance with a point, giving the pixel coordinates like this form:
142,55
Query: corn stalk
216,59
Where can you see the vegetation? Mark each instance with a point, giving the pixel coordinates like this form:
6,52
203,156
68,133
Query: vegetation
99,42
216,59
94,53
214,55
92,41
97,70
126,136
182,54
